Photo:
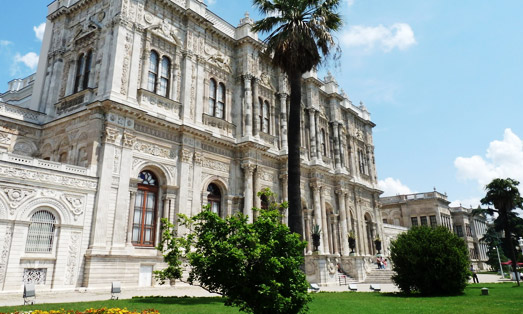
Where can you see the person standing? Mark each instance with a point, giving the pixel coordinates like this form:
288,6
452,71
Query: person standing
474,275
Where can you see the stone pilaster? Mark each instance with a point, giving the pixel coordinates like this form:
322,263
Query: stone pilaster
257,188
283,120
197,200
284,183
337,160
248,104
256,126
186,158
248,169
312,133
343,222
122,196
324,223
316,187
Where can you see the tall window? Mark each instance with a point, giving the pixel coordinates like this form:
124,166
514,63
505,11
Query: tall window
165,74
264,117
214,198
145,210
216,99
424,220
153,71
41,233
433,222
83,71
323,142
87,70
264,202
414,221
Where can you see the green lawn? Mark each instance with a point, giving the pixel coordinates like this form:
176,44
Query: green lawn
503,298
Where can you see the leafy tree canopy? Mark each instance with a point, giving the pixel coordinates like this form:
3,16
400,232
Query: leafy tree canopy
432,261
256,267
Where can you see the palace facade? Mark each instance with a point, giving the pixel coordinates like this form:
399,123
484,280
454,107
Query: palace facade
143,109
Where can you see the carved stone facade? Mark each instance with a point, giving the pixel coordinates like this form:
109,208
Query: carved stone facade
129,90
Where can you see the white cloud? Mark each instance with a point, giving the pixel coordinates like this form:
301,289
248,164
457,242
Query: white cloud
398,35
4,43
39,31
30,59
391,187
211,2
349,2
503,159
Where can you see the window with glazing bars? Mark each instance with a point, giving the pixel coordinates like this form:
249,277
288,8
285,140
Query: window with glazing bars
433,222
145,210
41,233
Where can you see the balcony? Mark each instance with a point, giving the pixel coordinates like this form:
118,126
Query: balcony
74,101
159,104
269,139
228,128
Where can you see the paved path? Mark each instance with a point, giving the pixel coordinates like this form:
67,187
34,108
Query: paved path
181,289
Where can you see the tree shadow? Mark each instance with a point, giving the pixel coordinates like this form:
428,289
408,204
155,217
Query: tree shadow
180,300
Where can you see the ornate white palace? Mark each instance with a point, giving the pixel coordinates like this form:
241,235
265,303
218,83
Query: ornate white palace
143,109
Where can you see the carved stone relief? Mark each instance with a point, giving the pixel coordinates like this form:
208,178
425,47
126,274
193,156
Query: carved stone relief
76,203
5,252
17,196
153,149
72,259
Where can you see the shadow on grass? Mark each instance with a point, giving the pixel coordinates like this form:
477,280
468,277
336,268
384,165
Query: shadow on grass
179,300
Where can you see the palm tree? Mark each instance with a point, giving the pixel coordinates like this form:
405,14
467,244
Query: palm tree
504,195
300,35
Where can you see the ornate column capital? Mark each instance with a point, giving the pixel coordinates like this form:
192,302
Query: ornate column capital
198,158
186,155
315,185
128,139
249,167
111,134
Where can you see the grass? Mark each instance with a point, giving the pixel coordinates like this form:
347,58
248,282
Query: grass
503,298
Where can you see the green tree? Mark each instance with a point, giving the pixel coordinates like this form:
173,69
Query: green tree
300,35
504,195
432,261
256,267
491,238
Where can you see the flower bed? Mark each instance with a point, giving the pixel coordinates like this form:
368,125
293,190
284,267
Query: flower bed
88,311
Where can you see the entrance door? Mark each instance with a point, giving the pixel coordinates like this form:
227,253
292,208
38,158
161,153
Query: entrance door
146,276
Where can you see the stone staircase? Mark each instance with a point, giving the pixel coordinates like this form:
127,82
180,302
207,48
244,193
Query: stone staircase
379,276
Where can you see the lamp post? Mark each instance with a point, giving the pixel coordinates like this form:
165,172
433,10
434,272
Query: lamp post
500,266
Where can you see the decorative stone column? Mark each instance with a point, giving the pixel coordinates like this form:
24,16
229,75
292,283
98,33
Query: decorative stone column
324,222
283,120
248,169
318,135
317,210
337,160
312,133
345,250
248,104
256,127
334,233
133,187
257,188
186,158
284,183
197,200
307,230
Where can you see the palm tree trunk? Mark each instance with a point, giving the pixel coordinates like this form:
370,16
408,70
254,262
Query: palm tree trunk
508,236
294,172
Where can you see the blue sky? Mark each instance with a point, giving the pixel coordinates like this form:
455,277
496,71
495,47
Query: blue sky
442,79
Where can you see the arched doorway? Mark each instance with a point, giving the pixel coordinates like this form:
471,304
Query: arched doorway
214,199
370,234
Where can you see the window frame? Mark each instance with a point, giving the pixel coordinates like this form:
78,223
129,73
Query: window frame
35,237
217,99
214,199
146,189
152,73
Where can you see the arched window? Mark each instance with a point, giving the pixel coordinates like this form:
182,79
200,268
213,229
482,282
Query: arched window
265,117
41,233
216,99
323,142
264,202
153,71
165,74
145,210
214,198
79,72
212,96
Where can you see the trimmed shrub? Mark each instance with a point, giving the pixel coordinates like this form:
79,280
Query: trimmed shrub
431,261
